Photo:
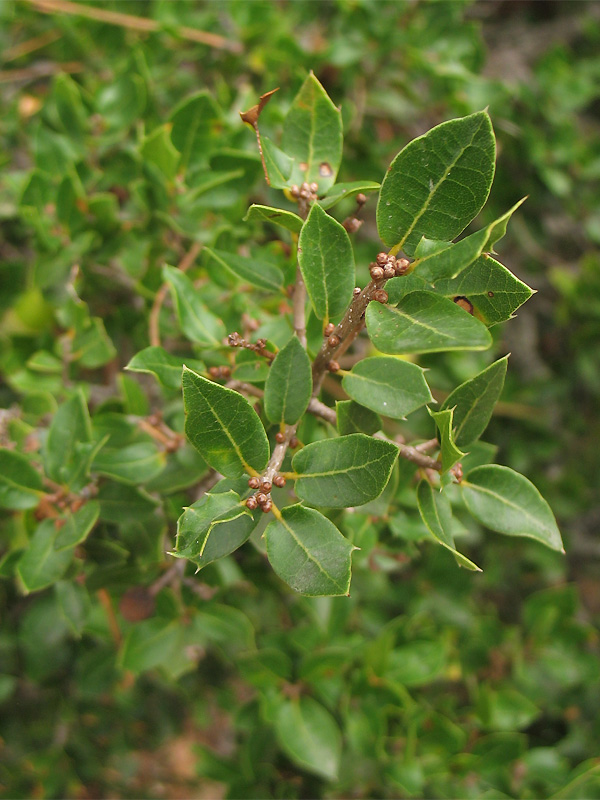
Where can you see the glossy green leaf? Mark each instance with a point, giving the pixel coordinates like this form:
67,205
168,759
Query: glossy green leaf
449,451
439,260
134,464
213,527
340,191
424,323
507,502
20,483
493,290
308,552
312,136
277,216
223,427
436,513
326,260
279,165
354,418
390,386
289,385
52,546
438,183
165,367
157,149
310,736
473,402
348,471
65,450
197,323
194,123
258,273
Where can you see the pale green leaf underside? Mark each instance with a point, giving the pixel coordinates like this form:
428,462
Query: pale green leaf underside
163,365
308,552
493,290
436,513
424,323
289,384
310,736
278,216
326,260
343,190
312,136
507,502
348,471
389,386
258,273
438,183
223,427
473,402
450,453
197,323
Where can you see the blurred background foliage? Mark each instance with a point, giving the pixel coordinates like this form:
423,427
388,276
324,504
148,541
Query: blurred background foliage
443,684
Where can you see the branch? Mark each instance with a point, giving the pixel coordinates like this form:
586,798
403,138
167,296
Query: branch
133,22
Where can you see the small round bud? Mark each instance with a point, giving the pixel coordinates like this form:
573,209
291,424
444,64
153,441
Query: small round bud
253,483
265,487
382,259
261,498
380,295
266,507
213,372
252,503
389,272
280,437
391,260
401,266
356,291
377,273
329,329
333,366
305,187
361,199
279,481
295,191
234,339
352,224
314,187
294,442
333,340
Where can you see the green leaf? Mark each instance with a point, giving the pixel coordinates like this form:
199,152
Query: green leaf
424,323
64,457
134,464
157,148
436,513
390,386
348,471
343,190
74,604
20,483
507,502
278,216
326,260
163,365
473,402
354,418
213,527
151,643
194,124
309,735
279,165
258,273
91,346
289,384
52,546
312,135
449,451
494,292
438,183
223,427
438,260
197,323
308,552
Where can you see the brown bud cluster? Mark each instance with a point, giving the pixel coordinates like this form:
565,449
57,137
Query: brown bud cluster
387,266
253,483
262,498
219,372
306,191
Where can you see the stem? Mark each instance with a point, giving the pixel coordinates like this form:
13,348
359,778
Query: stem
299,308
